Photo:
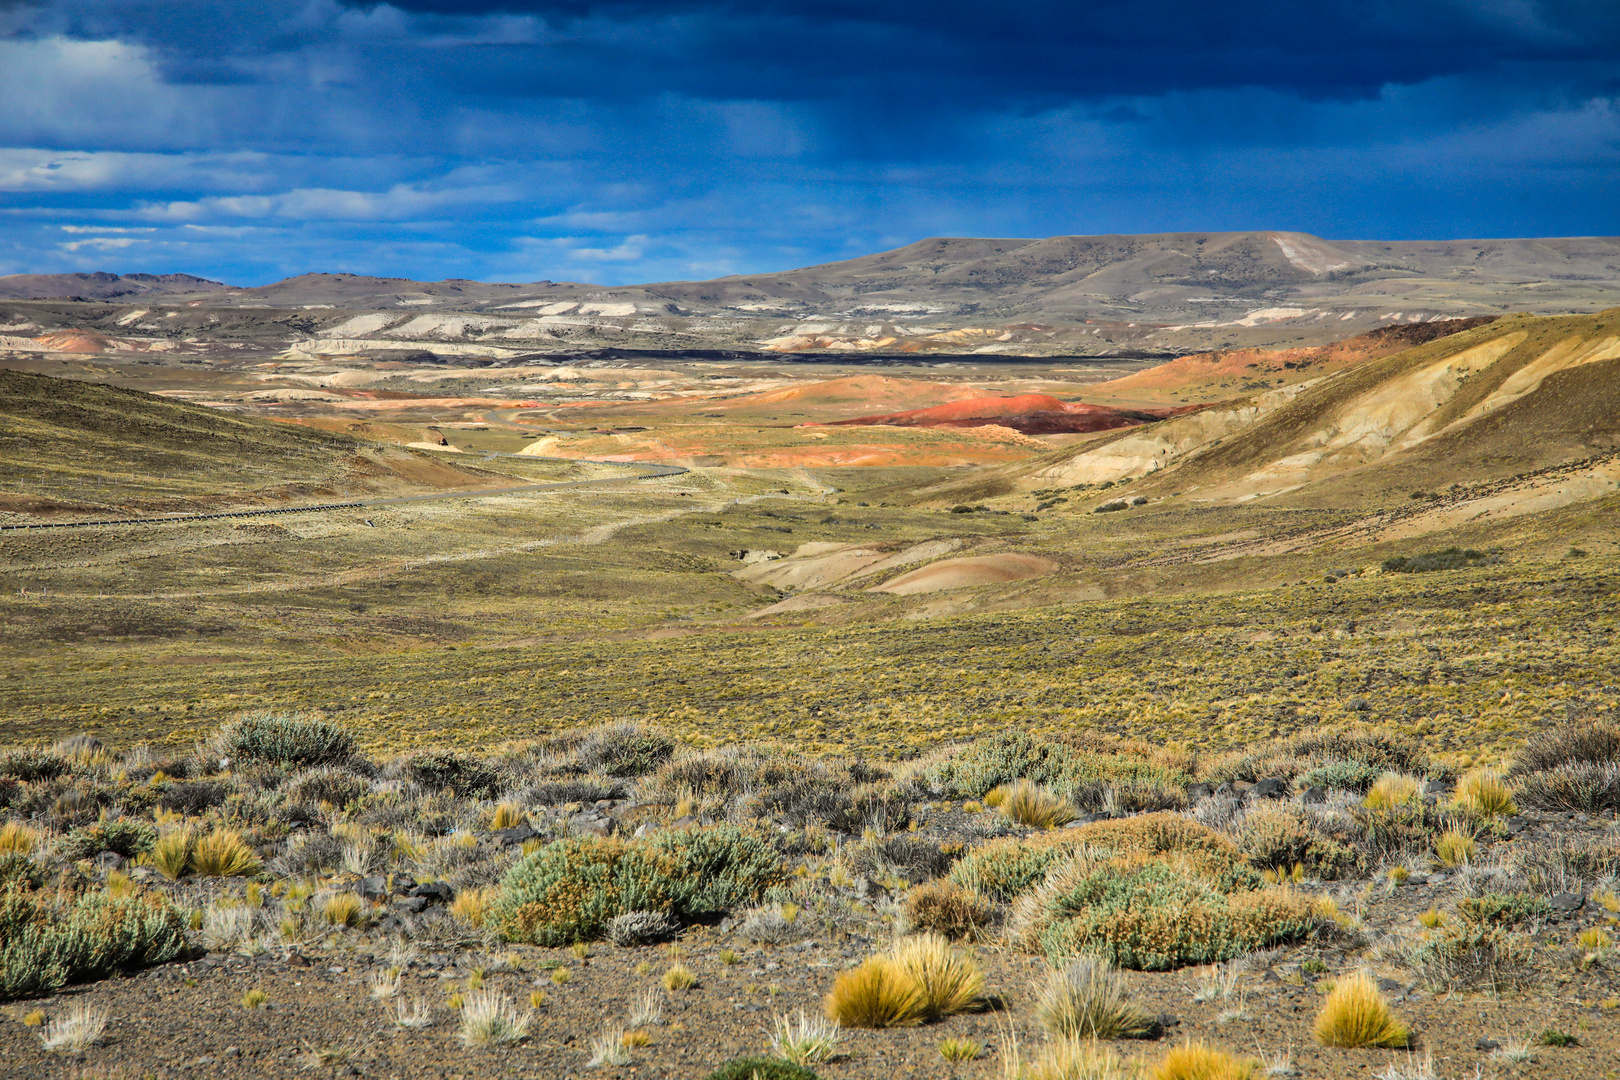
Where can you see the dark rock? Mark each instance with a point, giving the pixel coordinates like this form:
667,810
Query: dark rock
1435,788
436,892
1199,791
1486,1044
1087,819
297,960
517,834
413,905
1314,795
1568,901
403,884
596,826
1270,787
372,888
1516,824
108,861
1389,986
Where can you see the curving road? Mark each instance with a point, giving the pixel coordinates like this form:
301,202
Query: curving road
647,472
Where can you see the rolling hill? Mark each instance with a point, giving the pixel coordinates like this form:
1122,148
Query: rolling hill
71,446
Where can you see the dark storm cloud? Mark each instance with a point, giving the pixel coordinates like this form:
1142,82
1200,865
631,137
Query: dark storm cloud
640,139
1055,50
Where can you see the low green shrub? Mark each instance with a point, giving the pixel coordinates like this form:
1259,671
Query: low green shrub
31,765
1502,909
1590,741
127,838
1155,913
761,1068
1451,558
468,777
284,739
570,889
624,750
1472,956
1280,836
1341,776
51,935
1009,867
1587,787
1008,757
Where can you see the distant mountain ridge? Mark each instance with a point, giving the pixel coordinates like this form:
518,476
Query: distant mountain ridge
101,285
1158,293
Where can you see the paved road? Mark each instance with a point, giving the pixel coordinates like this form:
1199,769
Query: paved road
646,471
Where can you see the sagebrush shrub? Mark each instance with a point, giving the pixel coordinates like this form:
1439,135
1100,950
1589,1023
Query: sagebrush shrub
1278,835
568,890
468,777
284,739
31,766
1007,868
122,835
1592,742
990,762
944,907
1375,748
1471,956
1355,776
760,1068
327,784
70,932
1583,786
624,750
1156,913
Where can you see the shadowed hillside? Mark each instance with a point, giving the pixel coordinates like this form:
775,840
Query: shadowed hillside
71,446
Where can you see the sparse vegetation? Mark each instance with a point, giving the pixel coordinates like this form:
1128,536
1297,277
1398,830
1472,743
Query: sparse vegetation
1088,999
1356,1014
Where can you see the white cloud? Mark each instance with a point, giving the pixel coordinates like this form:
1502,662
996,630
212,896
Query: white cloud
103,243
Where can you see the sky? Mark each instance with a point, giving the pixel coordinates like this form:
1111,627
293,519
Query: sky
633,141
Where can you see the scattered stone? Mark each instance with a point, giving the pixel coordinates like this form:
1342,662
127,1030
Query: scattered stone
517,834
1516,824
599,825
1486,1044
372,888
297,960
413,905
1314,796
108,861
436,892
1270,787
641,928
1568,901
